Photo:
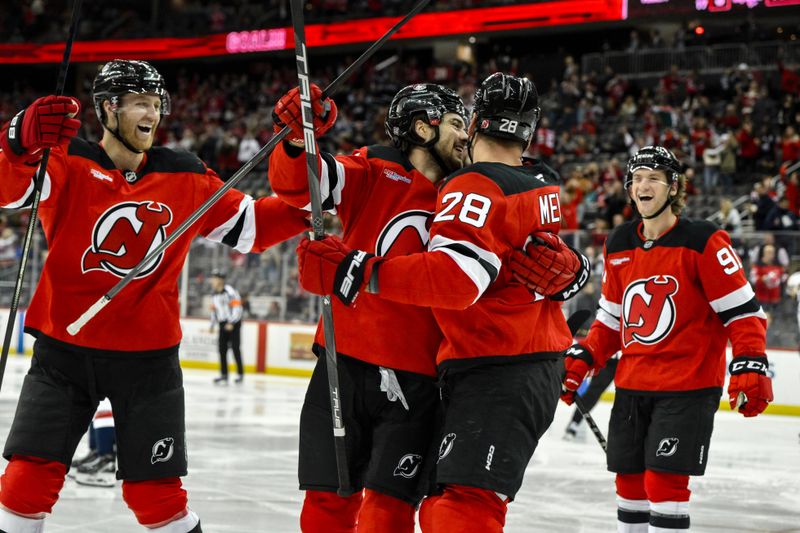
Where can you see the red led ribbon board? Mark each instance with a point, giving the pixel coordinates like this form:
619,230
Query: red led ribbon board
428,25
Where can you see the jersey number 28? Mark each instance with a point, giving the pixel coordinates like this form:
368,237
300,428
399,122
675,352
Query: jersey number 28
473,211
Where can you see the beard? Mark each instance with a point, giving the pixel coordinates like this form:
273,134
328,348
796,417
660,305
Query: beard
130,133
452,159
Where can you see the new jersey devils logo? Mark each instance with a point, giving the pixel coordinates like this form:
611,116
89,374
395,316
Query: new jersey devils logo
648,310
396,233
667,447
162,450
124,235
408,465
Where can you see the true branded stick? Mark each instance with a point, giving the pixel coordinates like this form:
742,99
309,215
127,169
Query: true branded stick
310,143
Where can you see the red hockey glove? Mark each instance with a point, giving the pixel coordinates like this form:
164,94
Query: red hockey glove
550,267
577,363
46,123
750,389
289,112
329,266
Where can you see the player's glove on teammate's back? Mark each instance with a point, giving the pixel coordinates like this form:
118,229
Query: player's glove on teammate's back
578,362
289,112
46,123
329,266
549,267
750,388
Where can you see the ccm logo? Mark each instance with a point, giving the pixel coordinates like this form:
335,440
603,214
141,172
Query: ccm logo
349,279
742,366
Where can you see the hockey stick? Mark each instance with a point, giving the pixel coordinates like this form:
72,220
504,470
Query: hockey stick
37,193
575,321
298,25
76,326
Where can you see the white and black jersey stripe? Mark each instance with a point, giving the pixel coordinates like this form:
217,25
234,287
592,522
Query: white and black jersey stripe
331,183
227,306
481,266
609,313
27,197
741,303
239,231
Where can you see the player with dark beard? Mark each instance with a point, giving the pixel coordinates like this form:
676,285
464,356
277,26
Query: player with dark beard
499,360
386,350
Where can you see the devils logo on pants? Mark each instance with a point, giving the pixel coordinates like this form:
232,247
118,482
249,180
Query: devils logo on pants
124,235
648,310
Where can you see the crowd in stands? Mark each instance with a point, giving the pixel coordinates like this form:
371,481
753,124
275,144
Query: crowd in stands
737,133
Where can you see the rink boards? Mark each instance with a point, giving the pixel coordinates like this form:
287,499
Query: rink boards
285,348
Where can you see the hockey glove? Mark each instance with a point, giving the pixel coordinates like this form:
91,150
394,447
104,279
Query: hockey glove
750,389
549,267
329,266
578,362
46,123
289,112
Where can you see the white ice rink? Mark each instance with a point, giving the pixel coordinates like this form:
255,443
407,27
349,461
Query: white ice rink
242,463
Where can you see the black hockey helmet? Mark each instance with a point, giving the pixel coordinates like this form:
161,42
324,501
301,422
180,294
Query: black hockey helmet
217,273
122,76
654,158
426,101
507,107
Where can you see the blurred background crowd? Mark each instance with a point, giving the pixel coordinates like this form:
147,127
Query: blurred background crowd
726,102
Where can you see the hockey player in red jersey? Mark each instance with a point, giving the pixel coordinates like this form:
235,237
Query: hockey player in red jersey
384,197
674,293
499,359
103,207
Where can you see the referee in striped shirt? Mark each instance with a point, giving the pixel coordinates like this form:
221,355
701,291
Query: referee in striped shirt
226,310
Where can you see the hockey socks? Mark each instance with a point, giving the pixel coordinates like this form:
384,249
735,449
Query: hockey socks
327,512
189,523
652,502
381,513
156,502
633,508
30,485
463,509
15,523
669,502
104,437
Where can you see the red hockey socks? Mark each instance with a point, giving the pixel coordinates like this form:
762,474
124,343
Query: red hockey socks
155,502
463,509
30,485
669,501
633,509
327,512
381,513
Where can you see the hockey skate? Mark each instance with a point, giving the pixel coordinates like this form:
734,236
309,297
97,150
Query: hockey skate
575,432
76,463
101,472
239,378
221,380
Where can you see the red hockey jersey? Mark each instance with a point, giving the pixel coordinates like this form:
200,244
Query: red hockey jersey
671,305
100,222
767,280
484,212
384,205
